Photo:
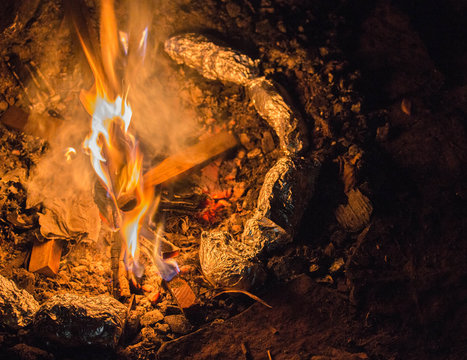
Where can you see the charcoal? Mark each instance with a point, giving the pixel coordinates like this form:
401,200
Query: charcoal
17,307
212,61
287,187
272,106
227,262
72,320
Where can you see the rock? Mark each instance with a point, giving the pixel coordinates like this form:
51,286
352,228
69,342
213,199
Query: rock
72,320
17,307
26,352
162,328
254,153
233,9
150,336
245,140
151,318
3,106
178,324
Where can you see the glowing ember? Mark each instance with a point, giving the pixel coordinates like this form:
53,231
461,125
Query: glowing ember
113,150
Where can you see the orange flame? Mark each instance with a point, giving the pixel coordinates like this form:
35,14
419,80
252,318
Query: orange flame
113,150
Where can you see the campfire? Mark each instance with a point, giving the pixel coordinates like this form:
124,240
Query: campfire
161,189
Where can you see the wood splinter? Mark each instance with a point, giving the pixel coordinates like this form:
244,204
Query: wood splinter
45,257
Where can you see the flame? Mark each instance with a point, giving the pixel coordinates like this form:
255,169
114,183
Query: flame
112,148
70,153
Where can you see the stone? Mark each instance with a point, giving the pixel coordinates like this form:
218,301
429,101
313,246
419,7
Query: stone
150,337
17,307
151,318
162,328
72,320
178,324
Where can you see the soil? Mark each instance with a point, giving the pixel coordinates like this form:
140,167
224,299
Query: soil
388,77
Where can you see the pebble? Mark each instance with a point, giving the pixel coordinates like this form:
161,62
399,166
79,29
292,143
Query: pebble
150,336
233,9
254,153
151,318
3,106
267,142
245,140
178,324
162,328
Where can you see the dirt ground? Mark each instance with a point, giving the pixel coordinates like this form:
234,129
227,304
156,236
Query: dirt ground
407,276
400,292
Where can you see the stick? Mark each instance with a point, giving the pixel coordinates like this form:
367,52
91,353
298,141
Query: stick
45,257
189,158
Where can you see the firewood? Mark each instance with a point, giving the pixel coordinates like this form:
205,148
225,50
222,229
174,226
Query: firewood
182,293
45,257
189,158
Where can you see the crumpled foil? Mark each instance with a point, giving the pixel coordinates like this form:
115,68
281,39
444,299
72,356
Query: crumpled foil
272,107
17,307
288,184
286,190
73,320
212,61
229,263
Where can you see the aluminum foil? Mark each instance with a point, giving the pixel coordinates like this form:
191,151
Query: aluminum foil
272,107
286,190
229,263
212,61
74,320
288,184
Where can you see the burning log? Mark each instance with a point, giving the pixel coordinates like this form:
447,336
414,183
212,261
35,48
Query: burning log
189,158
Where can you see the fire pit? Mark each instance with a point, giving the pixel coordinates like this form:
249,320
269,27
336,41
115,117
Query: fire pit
185,180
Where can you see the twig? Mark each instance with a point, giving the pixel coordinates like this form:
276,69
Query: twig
254,297
269,355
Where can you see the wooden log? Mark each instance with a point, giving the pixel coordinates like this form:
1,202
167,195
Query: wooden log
182,293
45,257
189,158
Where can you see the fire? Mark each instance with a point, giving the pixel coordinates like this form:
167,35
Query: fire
113,150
